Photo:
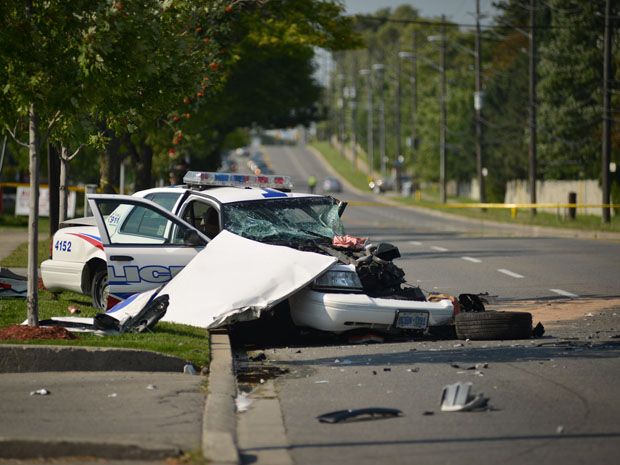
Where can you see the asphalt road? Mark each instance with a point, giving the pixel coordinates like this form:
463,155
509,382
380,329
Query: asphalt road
553,400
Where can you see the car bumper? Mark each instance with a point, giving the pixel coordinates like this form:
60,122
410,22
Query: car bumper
344,312
62,276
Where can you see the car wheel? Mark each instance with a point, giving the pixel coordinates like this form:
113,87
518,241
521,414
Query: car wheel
100,289
480,326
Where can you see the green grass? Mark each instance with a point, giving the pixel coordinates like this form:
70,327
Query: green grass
186,342
19,257
430,199
342,165
12,222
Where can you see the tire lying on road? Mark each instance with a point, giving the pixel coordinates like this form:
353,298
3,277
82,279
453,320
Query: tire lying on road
480,326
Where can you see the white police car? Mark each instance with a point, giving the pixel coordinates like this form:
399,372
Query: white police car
147,238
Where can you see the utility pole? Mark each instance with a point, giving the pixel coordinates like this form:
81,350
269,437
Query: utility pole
341,113
442,123
478,102
379,68
369,128
354,112
532,151
606,145
397,156
414,95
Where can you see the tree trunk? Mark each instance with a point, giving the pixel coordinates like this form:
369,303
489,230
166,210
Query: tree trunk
62,185
53,180
32,295
142,158
110,164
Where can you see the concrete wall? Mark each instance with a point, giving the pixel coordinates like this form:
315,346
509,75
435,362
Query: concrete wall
588,192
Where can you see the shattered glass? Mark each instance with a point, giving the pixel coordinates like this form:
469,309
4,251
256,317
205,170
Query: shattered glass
295,222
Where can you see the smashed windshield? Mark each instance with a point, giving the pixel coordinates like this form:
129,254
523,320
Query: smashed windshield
285,221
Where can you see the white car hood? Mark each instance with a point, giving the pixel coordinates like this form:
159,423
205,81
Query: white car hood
234,279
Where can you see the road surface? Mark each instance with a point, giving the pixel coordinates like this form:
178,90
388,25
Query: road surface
554,400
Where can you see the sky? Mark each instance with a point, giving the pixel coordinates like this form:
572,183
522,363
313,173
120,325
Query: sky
458,11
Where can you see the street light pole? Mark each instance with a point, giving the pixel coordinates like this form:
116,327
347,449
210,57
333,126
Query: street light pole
354,114
442,123
478,102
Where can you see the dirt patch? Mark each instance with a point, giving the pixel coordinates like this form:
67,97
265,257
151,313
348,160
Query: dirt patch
22,333
549,313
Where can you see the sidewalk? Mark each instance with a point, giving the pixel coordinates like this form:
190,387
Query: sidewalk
115,404
10,239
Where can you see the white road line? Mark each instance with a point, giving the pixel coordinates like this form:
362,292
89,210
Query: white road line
415,243
438,249
510,273
564,293
472,259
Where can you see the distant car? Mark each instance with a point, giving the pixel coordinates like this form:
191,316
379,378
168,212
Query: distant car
331,184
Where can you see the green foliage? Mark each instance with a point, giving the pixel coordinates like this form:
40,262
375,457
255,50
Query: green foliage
570,91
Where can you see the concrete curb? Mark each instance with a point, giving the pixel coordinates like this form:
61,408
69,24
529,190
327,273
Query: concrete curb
34,359
219,433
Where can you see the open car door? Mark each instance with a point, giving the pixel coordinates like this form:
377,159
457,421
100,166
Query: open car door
145,245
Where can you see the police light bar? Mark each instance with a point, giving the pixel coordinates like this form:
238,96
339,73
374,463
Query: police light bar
204,178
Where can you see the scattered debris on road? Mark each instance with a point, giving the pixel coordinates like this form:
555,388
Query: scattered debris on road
40,392
362,414
457,398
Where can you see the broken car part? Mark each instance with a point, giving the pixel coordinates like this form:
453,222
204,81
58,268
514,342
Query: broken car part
362,414
11,284
457,398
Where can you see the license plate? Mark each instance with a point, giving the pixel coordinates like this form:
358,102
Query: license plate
407,319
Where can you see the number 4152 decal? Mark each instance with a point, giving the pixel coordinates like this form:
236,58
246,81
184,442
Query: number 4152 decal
63,246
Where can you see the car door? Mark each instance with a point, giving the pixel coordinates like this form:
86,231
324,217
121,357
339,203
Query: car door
145,245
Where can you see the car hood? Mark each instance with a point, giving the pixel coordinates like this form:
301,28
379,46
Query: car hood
233,279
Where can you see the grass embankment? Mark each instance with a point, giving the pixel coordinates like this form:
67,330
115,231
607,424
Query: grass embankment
430,199
342,166
186,342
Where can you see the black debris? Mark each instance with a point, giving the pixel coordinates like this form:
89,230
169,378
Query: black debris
538,330
258,358
428,413
362,414
387,369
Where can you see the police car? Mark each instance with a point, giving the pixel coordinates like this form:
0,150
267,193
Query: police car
142,241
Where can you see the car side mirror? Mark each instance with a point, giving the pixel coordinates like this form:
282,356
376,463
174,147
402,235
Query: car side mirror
192,239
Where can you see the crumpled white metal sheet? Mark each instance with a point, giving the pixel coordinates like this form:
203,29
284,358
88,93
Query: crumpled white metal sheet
236,279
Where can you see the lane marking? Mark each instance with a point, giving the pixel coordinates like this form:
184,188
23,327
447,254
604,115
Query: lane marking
472,259
415,243
563,293
438,249
510,273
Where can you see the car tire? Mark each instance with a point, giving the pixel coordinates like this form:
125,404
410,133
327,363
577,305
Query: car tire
482,326
99,288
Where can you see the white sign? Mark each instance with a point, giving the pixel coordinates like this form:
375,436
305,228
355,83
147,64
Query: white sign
22,202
